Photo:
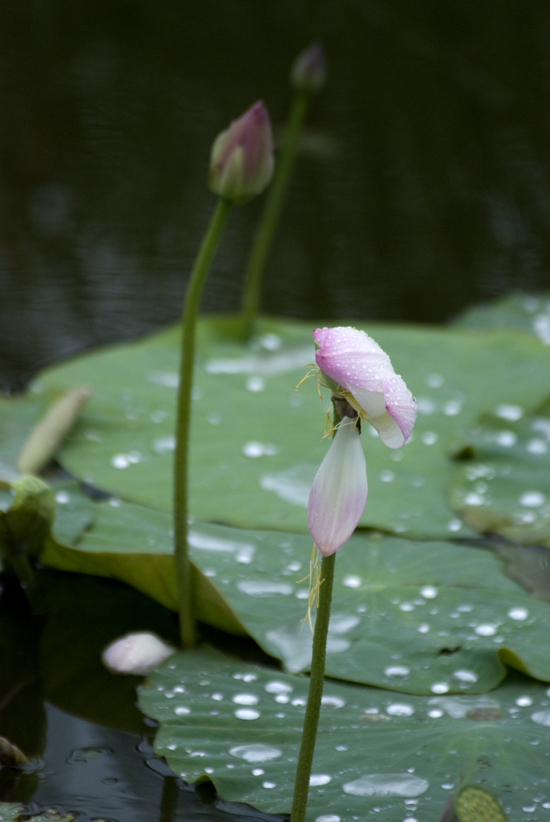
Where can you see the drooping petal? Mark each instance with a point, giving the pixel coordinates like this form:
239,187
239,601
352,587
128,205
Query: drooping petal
401,404
339,491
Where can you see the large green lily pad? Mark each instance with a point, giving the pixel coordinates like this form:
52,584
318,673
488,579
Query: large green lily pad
529,313
256,443
504,487
240,726
418,617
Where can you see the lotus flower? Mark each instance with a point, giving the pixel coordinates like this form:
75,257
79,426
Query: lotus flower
364,387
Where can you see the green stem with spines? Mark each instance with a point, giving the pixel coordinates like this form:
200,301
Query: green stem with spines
191,307
315,693
271,212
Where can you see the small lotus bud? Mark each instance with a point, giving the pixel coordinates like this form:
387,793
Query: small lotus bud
241,162
136,654
309,70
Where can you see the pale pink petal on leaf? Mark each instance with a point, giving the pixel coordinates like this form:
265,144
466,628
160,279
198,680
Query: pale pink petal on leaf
339,491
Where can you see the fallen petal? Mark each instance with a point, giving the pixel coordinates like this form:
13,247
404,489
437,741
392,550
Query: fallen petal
136,653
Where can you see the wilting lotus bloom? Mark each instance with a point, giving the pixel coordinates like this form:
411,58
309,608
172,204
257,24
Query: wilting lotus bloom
364,387
309,70
136,653
241,161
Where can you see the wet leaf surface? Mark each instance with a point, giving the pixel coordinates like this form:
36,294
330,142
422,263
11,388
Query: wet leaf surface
417,617
240,726
504,487
257,443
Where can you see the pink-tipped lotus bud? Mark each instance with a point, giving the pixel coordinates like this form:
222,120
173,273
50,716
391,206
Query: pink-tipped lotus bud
241,162
309,70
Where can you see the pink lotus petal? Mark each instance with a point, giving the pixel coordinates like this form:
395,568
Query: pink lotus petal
136,653
401,404
339,491
357,363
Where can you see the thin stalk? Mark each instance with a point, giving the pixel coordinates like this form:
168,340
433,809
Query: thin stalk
271,211
183,420
316,681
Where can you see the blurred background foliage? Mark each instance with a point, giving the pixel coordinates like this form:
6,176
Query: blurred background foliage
421,186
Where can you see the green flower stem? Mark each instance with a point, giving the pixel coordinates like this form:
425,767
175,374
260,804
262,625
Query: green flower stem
183,420
316,681
271,212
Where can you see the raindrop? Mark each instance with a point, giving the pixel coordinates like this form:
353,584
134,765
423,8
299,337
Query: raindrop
276,687
257,752
423,628
434,381
537,446
255,383
452,408
261,588
439,687
214,418
400,709
244,552
435,713
259,449
473,499
328,817
351,581
429,438
181,710
257,771
387,784
425,405
541,717
125,460
247,713
506,439
167,378
524,701
518,613
509,412
341,623
332,702
397,672
246,699
269,785
486,629
62,497
532,499
406,607
460,706
429,592
164,445
465,676
454,525
217,697
317,779
386,476
271,342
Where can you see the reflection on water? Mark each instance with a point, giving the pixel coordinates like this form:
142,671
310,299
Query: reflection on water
422,184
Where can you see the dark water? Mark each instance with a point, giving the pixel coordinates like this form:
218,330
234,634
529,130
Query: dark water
422,186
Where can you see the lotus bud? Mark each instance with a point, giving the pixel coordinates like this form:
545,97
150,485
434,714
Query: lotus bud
241,162
309,70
